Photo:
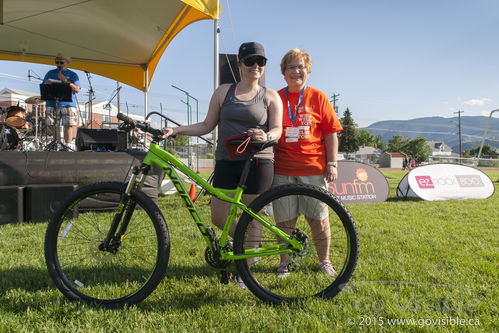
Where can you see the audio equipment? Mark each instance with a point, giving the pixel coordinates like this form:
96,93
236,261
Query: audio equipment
42,200
11,204
100,139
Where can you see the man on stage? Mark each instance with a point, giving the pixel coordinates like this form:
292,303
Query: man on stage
68,113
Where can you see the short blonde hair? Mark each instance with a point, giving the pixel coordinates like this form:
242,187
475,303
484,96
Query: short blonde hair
296,53
61,56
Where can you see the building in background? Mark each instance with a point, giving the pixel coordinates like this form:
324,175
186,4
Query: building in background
16,97
365,154
439,148
391,160
103,113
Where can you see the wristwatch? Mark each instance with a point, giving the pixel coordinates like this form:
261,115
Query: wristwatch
269,136
335,164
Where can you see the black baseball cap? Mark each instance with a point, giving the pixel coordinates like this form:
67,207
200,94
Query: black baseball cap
251,49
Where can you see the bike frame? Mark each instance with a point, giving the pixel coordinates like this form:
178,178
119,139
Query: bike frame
169,164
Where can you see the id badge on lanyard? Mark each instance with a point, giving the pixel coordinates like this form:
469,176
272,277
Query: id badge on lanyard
292,133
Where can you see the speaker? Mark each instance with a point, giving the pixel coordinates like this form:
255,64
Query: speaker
42,200
100,139
11,204
229,71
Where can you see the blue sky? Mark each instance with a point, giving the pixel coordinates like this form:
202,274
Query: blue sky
387,59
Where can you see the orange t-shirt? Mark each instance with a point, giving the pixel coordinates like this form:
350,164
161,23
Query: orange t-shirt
301,150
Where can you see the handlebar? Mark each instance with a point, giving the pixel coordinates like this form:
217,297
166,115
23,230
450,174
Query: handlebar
125,118
129,124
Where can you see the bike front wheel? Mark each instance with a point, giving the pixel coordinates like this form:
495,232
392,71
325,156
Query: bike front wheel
326,231
124,274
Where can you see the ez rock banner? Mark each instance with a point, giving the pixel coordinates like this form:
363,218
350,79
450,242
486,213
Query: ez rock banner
444,182
359,183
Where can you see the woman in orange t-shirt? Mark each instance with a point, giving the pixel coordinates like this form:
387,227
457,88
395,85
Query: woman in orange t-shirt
306,153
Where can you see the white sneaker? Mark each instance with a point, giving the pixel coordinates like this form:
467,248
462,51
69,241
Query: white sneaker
327,268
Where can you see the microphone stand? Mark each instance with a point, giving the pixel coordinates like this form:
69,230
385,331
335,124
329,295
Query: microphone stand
36,107
91,94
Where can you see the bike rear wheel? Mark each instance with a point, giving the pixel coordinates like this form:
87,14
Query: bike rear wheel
328,232
82,271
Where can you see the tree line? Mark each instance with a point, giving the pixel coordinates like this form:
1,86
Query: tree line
351,138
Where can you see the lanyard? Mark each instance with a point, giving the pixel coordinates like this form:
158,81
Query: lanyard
293,116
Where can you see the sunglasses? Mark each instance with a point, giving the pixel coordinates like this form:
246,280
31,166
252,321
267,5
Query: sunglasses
261,61
59,62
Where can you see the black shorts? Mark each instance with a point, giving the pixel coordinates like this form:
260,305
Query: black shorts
260,177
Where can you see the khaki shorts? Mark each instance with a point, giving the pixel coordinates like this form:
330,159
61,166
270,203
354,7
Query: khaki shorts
67,114
288,208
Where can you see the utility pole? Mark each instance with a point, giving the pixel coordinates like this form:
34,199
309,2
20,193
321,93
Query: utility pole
333,100
459,126
118,97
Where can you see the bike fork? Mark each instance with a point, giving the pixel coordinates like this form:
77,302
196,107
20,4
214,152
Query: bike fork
124,213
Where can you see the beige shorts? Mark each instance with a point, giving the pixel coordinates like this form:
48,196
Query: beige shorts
288,208
67,114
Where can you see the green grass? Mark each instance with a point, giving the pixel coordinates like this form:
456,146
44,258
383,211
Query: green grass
432,262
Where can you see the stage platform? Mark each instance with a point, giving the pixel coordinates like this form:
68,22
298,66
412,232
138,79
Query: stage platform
42,179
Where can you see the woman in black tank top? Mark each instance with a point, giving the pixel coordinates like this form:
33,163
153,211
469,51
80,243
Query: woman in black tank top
245,107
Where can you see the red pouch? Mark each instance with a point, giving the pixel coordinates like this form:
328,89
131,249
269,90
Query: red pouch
237,150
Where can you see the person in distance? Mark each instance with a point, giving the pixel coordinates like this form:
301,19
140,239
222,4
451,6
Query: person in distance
68,113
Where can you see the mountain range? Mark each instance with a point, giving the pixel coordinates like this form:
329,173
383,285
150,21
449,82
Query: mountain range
441,129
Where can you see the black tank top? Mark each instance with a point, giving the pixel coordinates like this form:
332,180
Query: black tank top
237,116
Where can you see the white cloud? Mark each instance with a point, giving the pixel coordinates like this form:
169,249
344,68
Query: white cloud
477,101
485,113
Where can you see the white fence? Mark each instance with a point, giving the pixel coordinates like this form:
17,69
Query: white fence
472,161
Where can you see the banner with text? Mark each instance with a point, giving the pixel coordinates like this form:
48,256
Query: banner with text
359,183
444,182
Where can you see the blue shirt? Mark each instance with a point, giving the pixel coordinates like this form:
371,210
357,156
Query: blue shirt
71,77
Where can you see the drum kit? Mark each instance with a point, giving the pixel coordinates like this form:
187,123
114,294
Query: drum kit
16,132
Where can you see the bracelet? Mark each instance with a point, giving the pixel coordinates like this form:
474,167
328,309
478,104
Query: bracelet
335,164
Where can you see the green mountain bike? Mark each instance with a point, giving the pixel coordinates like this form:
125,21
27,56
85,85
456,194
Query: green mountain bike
114,251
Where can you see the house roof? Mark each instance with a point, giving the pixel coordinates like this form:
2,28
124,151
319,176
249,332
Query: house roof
368,151
439,146
396,154
12,91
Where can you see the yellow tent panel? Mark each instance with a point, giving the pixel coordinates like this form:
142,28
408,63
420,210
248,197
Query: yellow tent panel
119,39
